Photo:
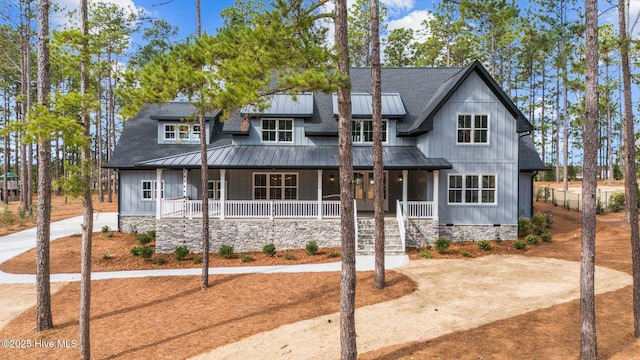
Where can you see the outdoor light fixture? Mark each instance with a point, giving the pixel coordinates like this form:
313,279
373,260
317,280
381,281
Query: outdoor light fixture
400,178
332,178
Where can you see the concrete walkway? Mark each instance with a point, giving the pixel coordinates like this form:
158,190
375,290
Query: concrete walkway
17,243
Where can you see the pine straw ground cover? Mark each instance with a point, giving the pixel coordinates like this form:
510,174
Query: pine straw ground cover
172,318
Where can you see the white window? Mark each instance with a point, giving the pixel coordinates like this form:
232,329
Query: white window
362,131
472,189
473,128
213,189
275,186
277,130
149,189
181,132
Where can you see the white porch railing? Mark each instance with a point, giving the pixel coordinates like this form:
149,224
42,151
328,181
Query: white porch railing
182,208
400,218
417,209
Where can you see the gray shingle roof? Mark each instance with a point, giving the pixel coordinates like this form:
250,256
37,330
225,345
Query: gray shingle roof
139,139
299,157
528,158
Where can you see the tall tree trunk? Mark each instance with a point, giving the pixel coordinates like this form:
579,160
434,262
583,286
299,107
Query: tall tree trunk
87,205
24,109
7,156
378,180
631,181
557,142
348,346
542,120
43,286
588,345
565,132
609,132
99,135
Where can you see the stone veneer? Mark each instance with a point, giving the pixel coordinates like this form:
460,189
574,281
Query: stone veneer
478,232
140,224
420,233
247,234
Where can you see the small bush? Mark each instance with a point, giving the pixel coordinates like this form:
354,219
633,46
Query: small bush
144,239
110,234
311,248
484,245
539,220
22,213
226,251
465,253
548,215
532,239
181,252
599,207
151,234
246,258
135,251
426,254
289,256
7,216
159,260
197,259
333,254
269,250
520,245
616,201
146,252
107,256
525,226
105,229
545,236
441,245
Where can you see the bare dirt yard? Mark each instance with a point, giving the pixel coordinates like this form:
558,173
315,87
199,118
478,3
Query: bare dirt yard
498,304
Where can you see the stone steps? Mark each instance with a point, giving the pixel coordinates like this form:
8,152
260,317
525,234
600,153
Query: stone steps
366,237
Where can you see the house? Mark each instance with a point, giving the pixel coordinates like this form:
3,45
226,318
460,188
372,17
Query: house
458,163
13,187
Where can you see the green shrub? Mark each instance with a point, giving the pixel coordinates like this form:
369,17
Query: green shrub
181,252
107,256
333,254
532,239
616,201
159,260
269,250
110,234
22,212
7,216
484,245
144,239
105,229
246,258
545,236
599,206
425,253
135,251
525,226
311,248
289,256
146,252
226,251
197,259
441,245
151,234
465,253
539,220
520,245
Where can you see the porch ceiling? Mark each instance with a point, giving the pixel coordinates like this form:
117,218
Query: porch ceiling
295,157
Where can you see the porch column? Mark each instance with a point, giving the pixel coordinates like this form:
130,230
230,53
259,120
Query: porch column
319,194
405,191
158,193
185,177
436,192
223,191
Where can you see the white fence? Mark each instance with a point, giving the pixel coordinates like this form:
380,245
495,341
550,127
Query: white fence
418,209
182,208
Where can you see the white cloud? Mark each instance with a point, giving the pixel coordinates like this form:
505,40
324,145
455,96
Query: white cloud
398,5
412,20
62,19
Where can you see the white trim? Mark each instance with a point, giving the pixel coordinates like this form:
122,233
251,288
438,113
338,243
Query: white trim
217,189
473,129
277,130
463,189
152,190
361,141
268,184
177,132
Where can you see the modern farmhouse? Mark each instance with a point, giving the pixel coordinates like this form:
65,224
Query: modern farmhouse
458,163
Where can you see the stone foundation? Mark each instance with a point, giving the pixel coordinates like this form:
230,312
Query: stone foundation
421,233
458,233
139,224
247,235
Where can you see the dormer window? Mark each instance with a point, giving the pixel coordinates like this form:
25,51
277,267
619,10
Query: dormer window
362,131
277,130
181,132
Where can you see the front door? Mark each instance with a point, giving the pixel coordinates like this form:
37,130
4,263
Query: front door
363,190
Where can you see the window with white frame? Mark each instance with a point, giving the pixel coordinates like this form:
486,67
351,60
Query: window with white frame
213,189
473,128
149,189
181,132
362,131
277,130
472,189
275,186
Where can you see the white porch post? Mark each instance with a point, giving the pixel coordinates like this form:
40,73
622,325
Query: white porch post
436,193
158,193
223,191
319,194
405,191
